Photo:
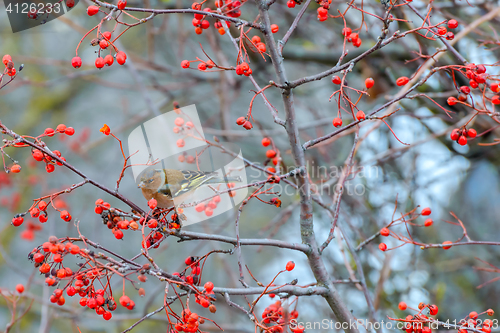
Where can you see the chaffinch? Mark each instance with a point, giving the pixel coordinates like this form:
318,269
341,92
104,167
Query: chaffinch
166,184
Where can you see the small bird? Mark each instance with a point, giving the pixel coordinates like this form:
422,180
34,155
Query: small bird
166,184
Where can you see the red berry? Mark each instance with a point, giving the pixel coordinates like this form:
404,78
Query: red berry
202,66
385,232
450,35
266,142
152,203
442,31
494,87
270,153
209,286
92,10
369,82
76,62
65,215
465,90
107,315
480,69
290,4
152,223
462,140
17,221
290,266
402,81
248,125
108,60
49,132
6,59
446,247
382,247
181,143
69,131
103,44
20,288
402,306
472,133
452,24
121,57
274,28
121,4
16,168
346,31
452,101
99,62
205,24
336,80
428,222
185,63
241,120
360,115
495,100
38,258
118,234
473,315
337,122
433,309
426,211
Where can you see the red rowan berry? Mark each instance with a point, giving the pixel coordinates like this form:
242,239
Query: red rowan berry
465,90
181,143
107,315
241,120
17,221
360,115
205,24
426,211
446,247
402,306
452,24
266,142
256,39
75,249
462,140
336,80
99,62
337,122
274,28
262,47
480,69
433,309
65,215
385,232
495,100
61,273
152,223
428,222
121,57
382,247
92,10
108,60
202,66
450,35
69,131
6,59
76,62
185,63
221,31
152,203
402,81
490,312
209,286
270,153
11,72
103,44
426,329
442,31
369,82
346,31
290,266
473,315
118,234
488,322
472,133
16,168
38,258
452,101
247,125
20,288
121,4
209,211
83,301
494,87
290,4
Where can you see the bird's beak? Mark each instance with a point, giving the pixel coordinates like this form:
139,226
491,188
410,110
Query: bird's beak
141,185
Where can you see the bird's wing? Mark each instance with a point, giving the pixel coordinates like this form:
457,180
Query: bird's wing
193,180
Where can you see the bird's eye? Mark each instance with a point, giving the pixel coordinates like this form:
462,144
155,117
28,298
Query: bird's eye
150,180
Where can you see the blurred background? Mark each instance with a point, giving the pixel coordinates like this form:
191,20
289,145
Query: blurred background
432,172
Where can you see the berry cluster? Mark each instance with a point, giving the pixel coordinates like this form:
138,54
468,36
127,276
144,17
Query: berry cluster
351,37
461,135
190,322
208,208
9,66
275,317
